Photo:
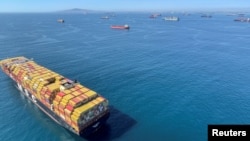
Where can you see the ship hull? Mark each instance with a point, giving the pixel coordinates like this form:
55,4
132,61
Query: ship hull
120,27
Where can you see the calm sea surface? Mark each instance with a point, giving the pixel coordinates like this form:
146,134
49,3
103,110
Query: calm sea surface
164,80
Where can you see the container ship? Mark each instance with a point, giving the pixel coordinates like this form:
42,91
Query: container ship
171,18
120,26
70,104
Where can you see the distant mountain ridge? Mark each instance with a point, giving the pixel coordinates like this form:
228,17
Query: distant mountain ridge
77,10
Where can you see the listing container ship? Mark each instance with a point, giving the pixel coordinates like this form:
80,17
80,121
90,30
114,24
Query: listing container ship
70,104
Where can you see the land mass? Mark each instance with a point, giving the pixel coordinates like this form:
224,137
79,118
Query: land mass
77,10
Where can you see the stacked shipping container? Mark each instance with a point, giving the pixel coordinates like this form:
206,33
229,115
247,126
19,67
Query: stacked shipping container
74,103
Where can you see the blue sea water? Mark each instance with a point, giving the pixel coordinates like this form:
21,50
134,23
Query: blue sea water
164,80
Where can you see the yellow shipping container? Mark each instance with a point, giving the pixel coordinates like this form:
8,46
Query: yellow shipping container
46,76
27,82
84,89
76,93
74,118
68,97
40,84
64,103
55,103
39,88
53,86
42,73
16,71
100,98
83,108
32,75
75,128
79,86
90,93
38,96
33,80
12,67
58,77
67,91
76,113
47,96
57,111
96,102
43,82
88,106
36,77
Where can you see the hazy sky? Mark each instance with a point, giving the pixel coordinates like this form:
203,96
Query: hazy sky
116,5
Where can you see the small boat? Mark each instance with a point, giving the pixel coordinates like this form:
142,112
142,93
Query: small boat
171,18
231,14
120,26
154,15
186,14
105,17
241,19
241,15
206,16
60,20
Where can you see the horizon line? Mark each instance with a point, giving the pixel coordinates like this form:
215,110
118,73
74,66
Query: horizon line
72,10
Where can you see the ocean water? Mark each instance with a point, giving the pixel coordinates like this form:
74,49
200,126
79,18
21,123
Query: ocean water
164,80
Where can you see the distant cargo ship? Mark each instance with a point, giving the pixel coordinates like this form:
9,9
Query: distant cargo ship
206,16
242,19
154,15
60,20
105,17
171,18
120,26
68,103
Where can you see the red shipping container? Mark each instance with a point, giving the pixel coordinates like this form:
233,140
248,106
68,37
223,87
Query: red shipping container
70,108
61,94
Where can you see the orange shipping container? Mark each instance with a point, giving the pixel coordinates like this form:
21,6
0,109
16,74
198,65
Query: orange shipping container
67,112
68,120
58,99
61,111
56,111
